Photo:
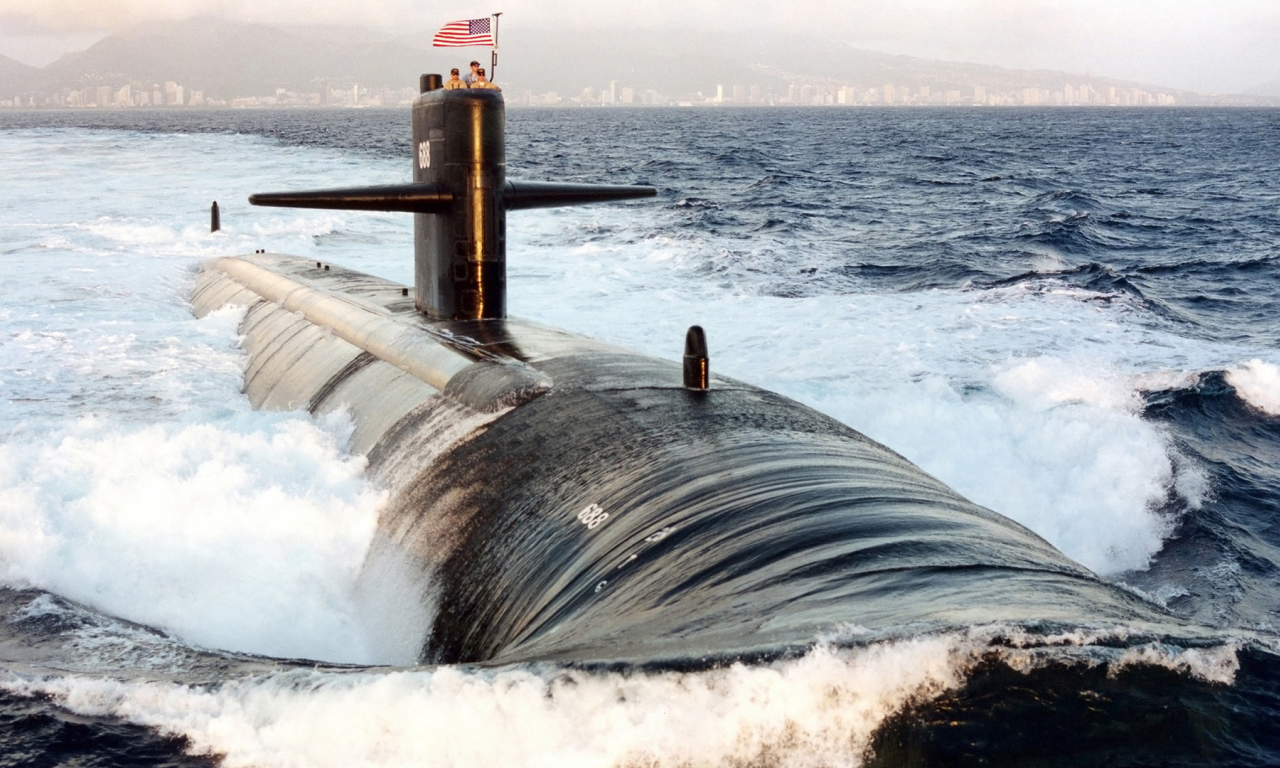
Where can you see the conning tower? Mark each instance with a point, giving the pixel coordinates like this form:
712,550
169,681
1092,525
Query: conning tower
460,196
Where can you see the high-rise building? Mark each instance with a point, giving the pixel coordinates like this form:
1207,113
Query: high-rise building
757,95
979,94
124,97
628,95
104,96
739,94
890,95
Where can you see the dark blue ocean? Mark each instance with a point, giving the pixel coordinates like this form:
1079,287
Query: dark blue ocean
1072,316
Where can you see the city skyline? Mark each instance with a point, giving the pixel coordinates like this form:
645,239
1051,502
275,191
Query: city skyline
219,64
1229,47
173,94
799,92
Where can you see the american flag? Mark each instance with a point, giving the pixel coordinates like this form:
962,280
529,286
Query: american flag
457,34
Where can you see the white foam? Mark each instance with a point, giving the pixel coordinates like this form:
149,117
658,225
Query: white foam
1043,383
818,710
1090,480
1215,664
134,477
1258,384
246,535
1118,648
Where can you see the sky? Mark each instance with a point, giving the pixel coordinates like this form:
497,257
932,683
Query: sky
1200,45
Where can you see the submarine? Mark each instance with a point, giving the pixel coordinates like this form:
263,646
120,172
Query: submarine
552,498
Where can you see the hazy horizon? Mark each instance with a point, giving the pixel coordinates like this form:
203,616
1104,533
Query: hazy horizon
1230,47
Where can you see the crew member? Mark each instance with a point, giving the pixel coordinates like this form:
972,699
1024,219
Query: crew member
470,77
482,83
454,82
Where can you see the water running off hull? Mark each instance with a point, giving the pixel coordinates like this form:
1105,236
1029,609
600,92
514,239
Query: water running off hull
555,498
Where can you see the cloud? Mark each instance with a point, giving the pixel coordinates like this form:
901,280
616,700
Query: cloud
1224,45
63,16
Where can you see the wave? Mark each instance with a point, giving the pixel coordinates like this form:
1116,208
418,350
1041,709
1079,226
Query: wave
1099,278
878,703
1204,267
1072,201
942,274
1258,384
1221,577
832,706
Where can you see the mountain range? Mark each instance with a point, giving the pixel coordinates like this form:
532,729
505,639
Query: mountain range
227,59
15,75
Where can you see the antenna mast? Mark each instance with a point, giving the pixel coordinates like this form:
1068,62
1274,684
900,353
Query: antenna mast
493,63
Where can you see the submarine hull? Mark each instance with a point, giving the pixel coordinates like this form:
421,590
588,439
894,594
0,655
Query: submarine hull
556,498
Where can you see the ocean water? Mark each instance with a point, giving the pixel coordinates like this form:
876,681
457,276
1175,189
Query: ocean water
1069,316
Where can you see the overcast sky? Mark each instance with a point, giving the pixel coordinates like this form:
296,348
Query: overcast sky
1202,45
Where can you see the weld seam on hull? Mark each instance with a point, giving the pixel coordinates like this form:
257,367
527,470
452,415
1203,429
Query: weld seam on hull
403,346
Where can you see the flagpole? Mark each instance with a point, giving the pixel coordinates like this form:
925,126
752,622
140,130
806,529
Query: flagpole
493,63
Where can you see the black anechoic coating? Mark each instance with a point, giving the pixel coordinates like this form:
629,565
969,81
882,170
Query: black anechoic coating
622,517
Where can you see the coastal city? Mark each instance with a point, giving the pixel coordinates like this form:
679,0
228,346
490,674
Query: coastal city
797,93
801,93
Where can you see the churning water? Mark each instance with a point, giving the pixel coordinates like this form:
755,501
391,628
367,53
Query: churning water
1070,317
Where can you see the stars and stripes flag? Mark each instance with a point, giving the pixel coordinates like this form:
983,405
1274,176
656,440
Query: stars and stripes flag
457,34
